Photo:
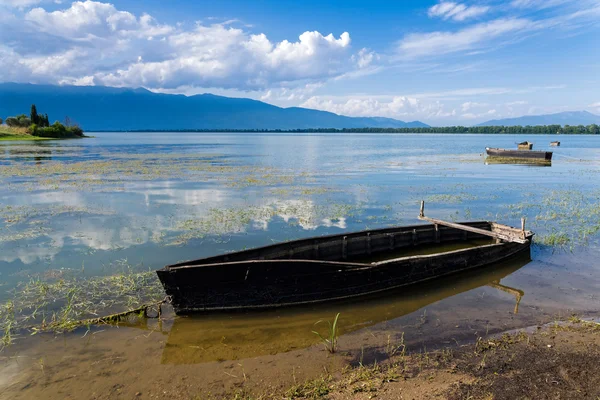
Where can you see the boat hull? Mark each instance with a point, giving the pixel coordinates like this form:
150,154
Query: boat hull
323,269
519,154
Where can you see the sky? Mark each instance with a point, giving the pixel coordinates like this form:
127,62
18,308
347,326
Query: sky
440,62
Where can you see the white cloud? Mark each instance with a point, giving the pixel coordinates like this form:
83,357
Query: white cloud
94,42
456,11
228,57
21,3
402,107
485,114
365,58
537,4
469,105
436,43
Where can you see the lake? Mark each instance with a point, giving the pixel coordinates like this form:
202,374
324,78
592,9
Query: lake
84,223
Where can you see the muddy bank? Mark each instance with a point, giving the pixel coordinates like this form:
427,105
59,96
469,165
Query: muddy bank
558,361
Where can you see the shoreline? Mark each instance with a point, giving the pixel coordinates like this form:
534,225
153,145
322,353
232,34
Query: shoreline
554,360
8,134
332,131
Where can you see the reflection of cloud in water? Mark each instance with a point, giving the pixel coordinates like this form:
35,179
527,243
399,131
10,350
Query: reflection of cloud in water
120,220
164,193
68,199
29,254
305,213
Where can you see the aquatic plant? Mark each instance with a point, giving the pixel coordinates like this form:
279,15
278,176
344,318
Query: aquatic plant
331,337
61,305
391,349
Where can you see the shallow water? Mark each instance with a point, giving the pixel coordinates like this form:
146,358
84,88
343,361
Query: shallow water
125,203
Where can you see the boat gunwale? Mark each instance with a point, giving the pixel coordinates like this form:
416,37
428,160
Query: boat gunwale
344,263
359,266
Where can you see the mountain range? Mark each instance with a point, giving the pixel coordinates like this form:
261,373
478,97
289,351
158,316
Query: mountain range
563,118
97,108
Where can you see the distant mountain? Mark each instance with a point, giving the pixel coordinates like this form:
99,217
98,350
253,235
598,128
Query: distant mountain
104,108
563,118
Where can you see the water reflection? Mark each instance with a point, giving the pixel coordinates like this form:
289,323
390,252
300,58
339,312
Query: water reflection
37,155
515,292
206,338
490,160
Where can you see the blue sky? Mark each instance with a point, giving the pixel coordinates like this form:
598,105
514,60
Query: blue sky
441,62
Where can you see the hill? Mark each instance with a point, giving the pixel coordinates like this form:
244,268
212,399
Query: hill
563,118
99,108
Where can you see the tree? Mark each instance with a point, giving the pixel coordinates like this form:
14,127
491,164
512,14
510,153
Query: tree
1,121
12,121
34,115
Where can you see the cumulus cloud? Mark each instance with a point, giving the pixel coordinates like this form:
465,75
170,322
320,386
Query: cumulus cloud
94,42
364,58
456,11
227,57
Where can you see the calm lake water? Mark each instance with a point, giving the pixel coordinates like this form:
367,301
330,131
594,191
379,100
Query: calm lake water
83,223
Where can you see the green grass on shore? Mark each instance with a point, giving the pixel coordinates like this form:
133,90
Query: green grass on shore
8,133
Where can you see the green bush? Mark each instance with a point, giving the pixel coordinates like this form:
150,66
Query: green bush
57,130
20,121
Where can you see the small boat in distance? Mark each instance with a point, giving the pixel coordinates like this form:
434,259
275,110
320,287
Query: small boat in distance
545,156
556,143
339,267
525,146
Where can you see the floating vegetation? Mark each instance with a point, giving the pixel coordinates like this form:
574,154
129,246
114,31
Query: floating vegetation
115,169
451,198
13,215
562,217
30,233
61,305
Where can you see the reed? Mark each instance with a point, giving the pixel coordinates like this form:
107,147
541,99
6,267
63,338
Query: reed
331,338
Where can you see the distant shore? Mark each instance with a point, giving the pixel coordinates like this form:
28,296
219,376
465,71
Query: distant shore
498,130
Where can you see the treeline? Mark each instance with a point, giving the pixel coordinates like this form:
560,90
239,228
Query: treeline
39,125
592,129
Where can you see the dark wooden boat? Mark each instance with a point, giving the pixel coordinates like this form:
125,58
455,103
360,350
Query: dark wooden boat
525,146
556,143
221,337
334,267
519,154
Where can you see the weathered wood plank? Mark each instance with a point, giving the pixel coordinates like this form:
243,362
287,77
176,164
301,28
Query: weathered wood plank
508,238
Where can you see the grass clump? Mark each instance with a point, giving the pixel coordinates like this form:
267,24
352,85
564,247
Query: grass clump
331,337
314,389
